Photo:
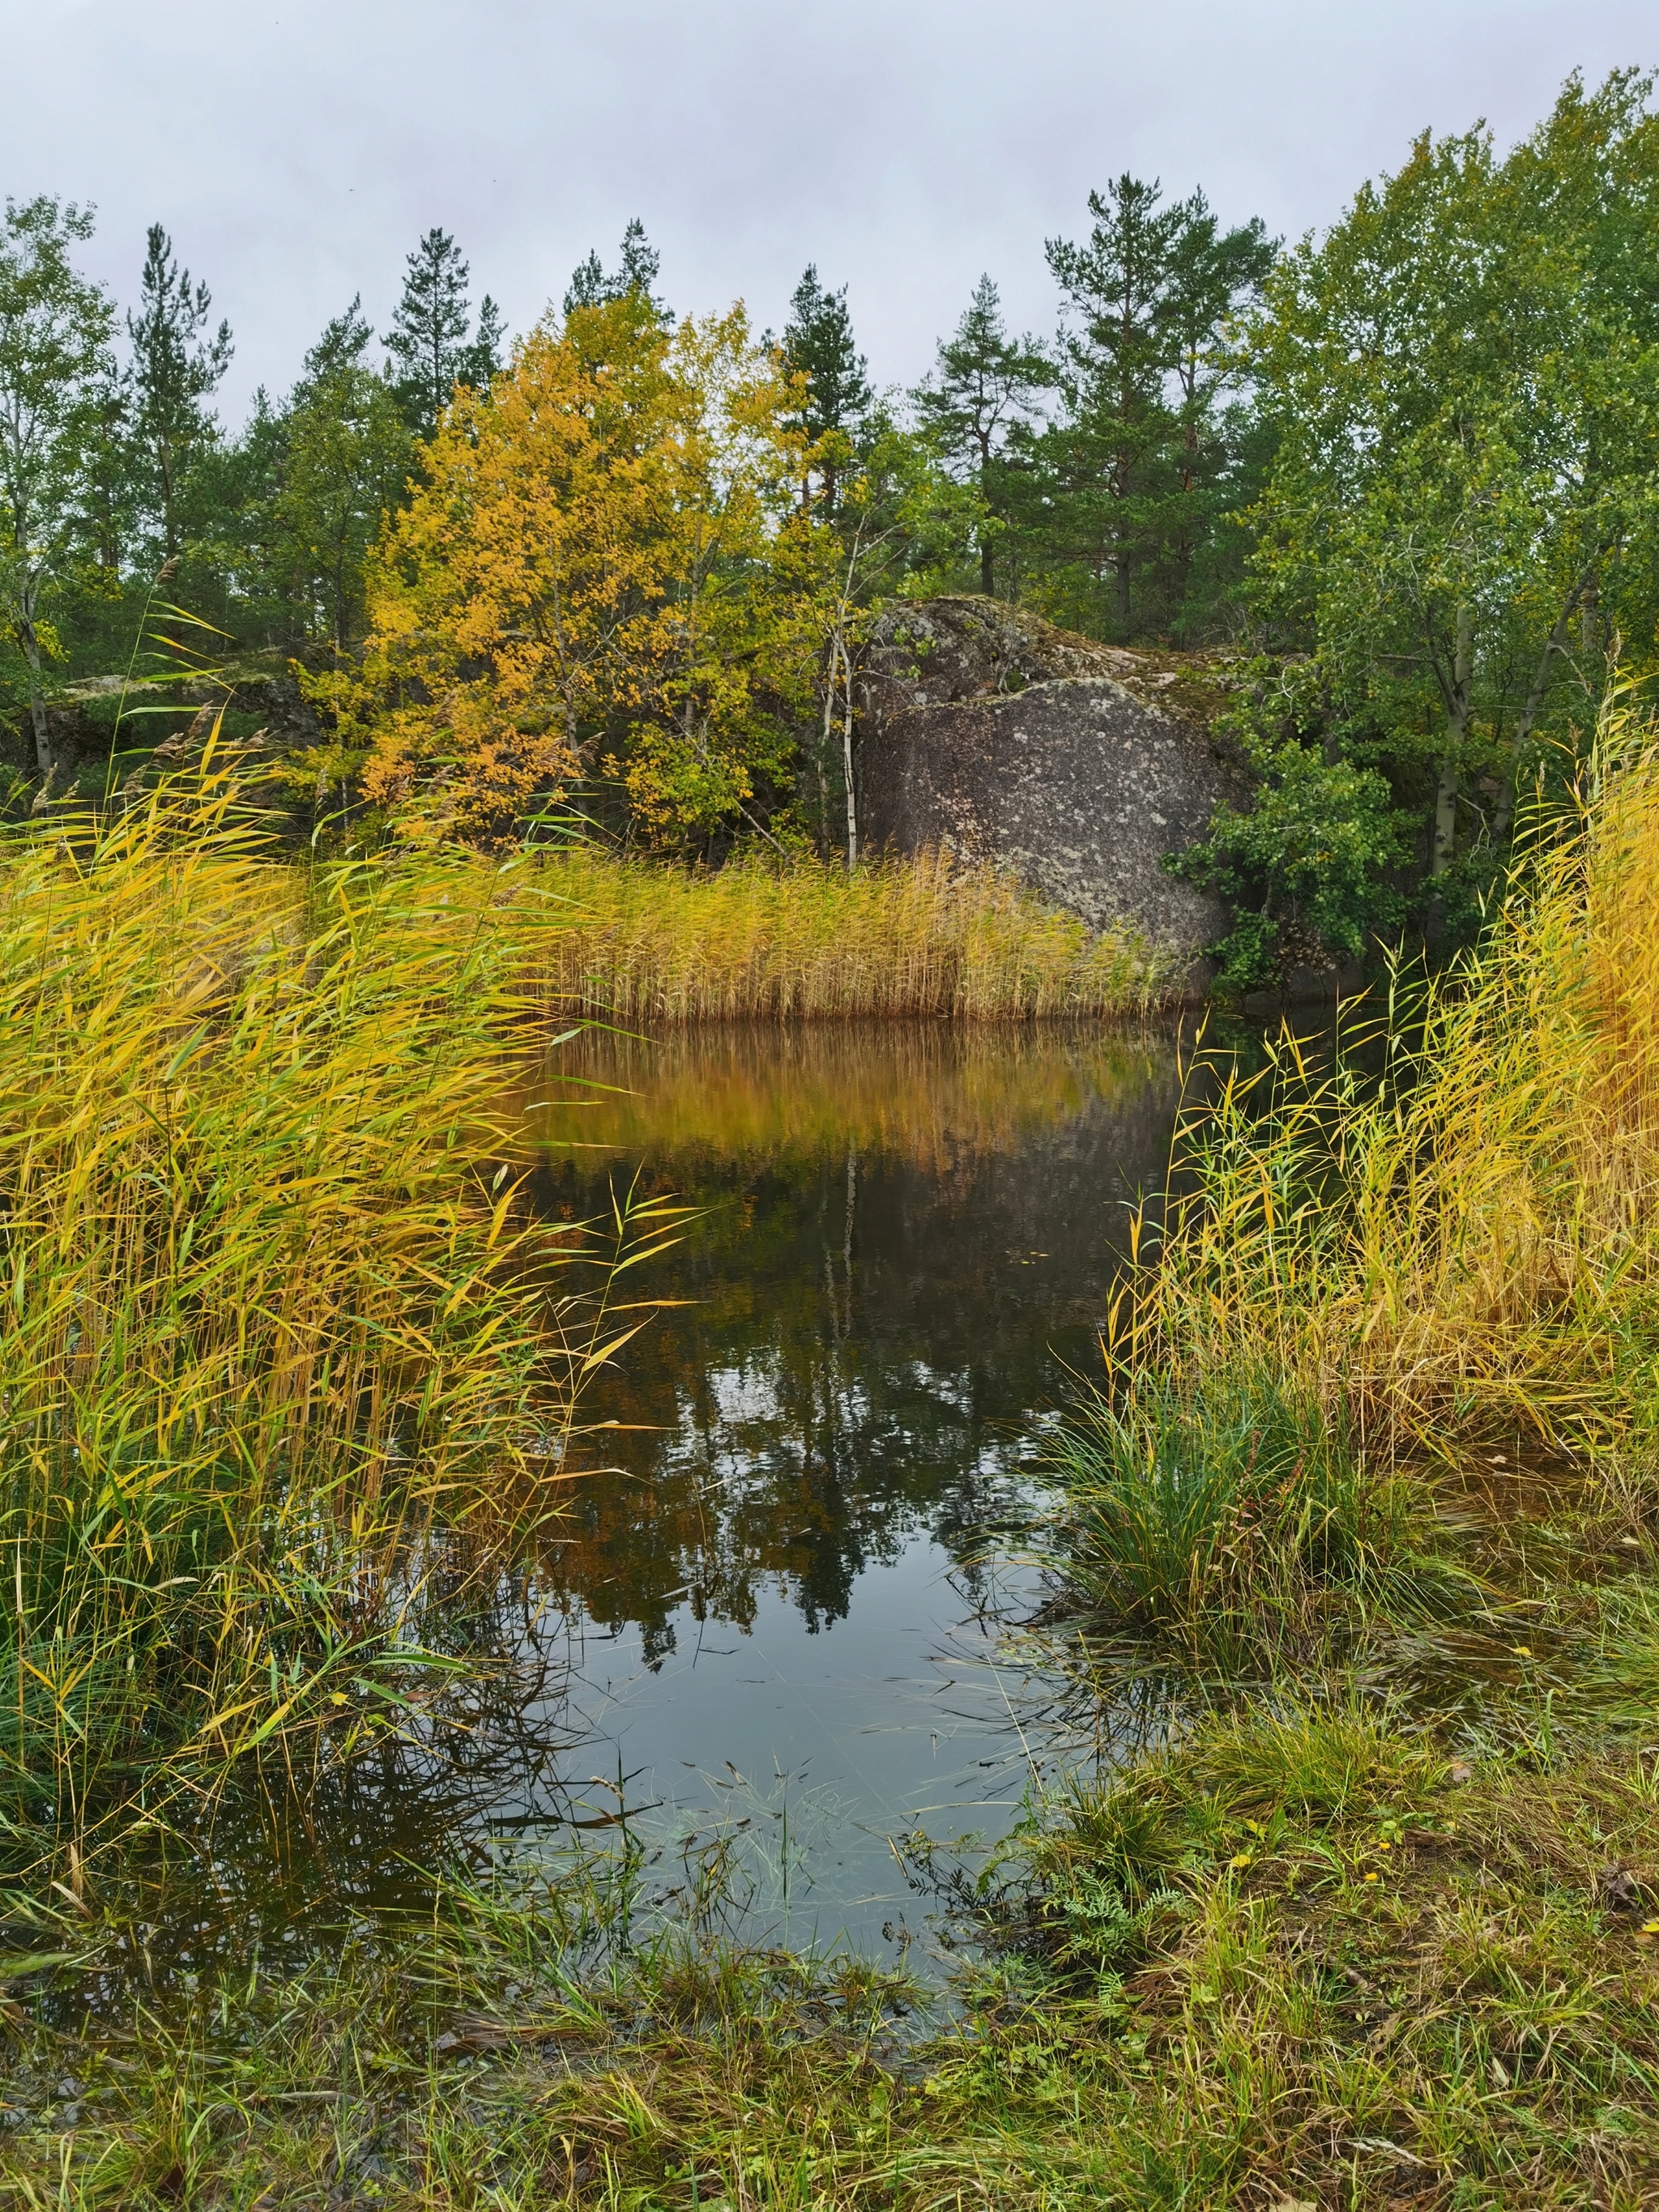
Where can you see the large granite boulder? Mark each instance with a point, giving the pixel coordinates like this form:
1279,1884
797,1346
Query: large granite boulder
1078,766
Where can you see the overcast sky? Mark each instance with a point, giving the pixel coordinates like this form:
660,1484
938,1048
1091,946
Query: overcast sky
296,149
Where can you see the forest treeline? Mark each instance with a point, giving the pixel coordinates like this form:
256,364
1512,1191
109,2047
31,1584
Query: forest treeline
1401,479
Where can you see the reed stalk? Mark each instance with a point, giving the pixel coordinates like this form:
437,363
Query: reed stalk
647,945
1461,1254
273,1328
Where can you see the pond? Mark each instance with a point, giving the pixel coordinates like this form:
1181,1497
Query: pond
765,1624
783,1589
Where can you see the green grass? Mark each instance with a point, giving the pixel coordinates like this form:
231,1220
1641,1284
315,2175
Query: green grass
1236,1520
1317,1955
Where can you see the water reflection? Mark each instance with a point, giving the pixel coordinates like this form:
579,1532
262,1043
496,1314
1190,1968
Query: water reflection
904,1238
770,1622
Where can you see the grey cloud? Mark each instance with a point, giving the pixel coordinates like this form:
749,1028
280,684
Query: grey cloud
297,147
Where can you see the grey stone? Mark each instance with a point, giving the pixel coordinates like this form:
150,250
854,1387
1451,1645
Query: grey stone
988,732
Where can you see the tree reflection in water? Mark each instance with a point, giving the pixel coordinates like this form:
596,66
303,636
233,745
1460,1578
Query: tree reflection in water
904,1237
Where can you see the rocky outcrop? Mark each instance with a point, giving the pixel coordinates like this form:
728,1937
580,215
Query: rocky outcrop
255,696
1078,766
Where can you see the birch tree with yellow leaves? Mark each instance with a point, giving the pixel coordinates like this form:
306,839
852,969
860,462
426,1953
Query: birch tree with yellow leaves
605,573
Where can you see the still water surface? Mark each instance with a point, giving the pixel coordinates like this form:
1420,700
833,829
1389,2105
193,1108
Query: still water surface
771,1626
782,1593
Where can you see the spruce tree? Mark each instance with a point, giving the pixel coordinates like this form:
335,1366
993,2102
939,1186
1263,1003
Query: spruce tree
343,461
818,344
481,359
592,285
428,340
175,372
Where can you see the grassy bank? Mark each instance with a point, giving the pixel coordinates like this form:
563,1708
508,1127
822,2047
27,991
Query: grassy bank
648,945
1314,1959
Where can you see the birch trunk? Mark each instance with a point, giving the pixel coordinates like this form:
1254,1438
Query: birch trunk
847,758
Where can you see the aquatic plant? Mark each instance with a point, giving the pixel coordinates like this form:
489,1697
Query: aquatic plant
646,944
1236,1516
272,1329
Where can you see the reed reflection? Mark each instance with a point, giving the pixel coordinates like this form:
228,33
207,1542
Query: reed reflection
904,1237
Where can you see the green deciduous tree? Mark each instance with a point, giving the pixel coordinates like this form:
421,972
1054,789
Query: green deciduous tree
1464,381
55,328
1310,868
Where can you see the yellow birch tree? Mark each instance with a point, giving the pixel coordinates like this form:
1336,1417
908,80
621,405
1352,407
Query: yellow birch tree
603,570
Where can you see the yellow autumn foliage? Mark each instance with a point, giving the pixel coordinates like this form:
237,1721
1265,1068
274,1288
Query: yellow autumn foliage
605,568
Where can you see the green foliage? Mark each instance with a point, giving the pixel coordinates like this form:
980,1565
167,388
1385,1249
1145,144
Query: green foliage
1461,508
981,396
819,350
1307,869
339,458
176,369
431,343
54,334
1142,460
638,267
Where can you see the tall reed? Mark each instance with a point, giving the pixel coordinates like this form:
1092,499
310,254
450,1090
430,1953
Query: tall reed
1465,1249
270,1325
648,945
1472,1245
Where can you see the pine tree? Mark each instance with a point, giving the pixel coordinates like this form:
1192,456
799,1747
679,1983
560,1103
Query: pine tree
428,340
818,344
175,373
1142,379
985,387
636,272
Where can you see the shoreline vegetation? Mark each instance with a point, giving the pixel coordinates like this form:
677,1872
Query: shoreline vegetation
653,944
282,1356
1367,1917
285,1351
1355,1550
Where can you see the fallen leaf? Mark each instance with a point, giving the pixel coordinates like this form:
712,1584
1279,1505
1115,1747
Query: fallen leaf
1619,1891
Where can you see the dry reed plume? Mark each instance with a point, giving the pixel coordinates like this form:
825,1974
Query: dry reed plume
649,944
